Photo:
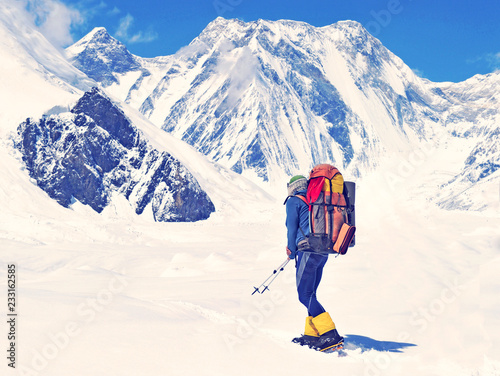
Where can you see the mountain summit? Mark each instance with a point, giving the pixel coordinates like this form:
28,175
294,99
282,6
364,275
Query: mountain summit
101,56
276,97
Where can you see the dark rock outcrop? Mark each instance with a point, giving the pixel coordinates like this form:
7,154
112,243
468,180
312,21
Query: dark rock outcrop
94,152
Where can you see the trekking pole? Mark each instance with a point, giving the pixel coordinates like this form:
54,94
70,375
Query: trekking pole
271,278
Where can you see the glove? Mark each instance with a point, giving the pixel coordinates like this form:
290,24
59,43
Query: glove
291,255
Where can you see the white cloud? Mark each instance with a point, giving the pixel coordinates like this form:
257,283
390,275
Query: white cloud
240,65
54,20
492,59
123,32
495,61
92,8
114,11
418,72
125,23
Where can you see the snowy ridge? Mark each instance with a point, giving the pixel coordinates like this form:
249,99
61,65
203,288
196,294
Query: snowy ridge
470,113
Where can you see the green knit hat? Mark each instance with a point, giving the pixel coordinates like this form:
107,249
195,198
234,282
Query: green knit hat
295,178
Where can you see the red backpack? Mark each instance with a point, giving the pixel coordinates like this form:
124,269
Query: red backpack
329,220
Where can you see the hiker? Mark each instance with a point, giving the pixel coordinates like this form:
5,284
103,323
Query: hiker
320,332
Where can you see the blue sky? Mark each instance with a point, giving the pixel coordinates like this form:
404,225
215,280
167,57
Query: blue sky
448,40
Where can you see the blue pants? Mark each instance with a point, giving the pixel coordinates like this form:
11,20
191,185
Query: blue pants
309,272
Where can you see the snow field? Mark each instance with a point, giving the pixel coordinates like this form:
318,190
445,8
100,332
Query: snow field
127,296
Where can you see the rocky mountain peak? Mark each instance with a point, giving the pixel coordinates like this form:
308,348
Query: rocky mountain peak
94,152
101,56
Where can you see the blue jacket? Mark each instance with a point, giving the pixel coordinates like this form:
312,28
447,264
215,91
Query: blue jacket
297,213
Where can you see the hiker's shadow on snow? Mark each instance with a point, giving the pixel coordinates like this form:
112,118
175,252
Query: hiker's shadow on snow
353,342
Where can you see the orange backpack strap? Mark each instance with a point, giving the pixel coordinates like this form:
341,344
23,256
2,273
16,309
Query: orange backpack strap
303,199
298,196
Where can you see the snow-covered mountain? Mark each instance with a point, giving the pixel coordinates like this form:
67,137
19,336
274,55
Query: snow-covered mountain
94,152
38,82
264,94
277,97
101,56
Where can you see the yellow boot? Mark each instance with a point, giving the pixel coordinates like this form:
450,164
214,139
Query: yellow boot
329,338
310,336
